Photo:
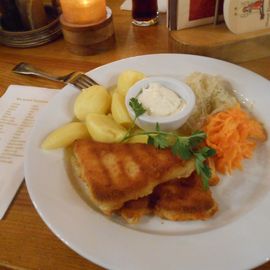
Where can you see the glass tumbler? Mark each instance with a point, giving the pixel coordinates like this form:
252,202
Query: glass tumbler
144,12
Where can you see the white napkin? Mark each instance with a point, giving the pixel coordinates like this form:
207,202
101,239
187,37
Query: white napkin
162,5
19,107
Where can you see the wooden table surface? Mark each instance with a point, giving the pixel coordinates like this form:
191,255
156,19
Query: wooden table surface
25,240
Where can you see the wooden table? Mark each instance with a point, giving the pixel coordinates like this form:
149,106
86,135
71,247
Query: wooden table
25,241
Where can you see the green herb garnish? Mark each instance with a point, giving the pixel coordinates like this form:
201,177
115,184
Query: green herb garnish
139,110
137,107
185,147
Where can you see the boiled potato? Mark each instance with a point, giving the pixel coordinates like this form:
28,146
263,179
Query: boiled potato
119,110
65,135
103,128
138,139
126,79
94,99
112,89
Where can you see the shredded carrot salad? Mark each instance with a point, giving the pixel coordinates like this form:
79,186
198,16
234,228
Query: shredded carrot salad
233,134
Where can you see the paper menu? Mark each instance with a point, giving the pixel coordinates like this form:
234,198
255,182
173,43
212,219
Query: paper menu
19,107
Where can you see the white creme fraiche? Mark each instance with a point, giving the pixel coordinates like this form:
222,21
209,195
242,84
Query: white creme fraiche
159,100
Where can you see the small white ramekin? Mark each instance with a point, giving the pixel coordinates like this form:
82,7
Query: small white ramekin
166,123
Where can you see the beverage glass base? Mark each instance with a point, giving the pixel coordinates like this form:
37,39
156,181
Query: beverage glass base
145,23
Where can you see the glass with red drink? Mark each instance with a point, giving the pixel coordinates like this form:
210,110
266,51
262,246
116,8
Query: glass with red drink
144,12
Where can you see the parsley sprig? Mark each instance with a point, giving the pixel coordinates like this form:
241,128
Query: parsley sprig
186,147
139,110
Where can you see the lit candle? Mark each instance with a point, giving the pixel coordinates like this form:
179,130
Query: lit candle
83,11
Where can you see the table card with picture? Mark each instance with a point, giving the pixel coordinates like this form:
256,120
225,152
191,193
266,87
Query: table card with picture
244,16
190,13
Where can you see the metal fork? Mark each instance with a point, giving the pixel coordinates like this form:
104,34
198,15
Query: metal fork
78,79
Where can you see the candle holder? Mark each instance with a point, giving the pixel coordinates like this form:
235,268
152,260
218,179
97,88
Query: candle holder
89,39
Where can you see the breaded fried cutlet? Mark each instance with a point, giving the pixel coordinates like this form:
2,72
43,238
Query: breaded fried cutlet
132,211
116,173
174,200
184,200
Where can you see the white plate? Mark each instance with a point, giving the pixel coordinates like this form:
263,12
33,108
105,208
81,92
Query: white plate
236,238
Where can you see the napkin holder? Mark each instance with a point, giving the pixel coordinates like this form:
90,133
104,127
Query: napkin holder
89,39
216,40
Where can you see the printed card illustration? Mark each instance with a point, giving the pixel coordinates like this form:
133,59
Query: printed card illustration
243,16
191,13
249,7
